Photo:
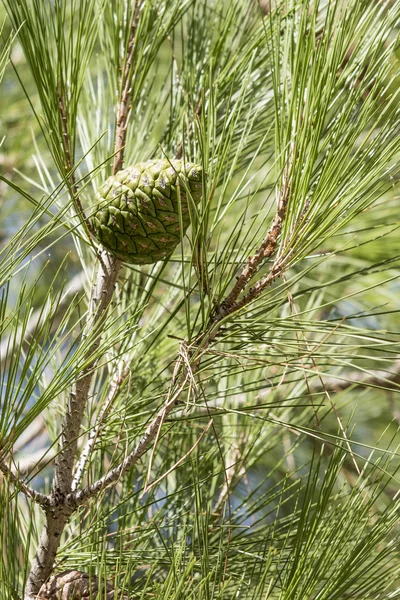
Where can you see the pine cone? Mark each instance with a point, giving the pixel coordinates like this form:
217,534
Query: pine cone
137,214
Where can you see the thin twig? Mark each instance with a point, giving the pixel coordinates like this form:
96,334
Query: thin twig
231,304
80,497
37,497
180,461
69,167
275,271
266,250
126,92
115,388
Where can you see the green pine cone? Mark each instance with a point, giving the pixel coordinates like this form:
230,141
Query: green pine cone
137,214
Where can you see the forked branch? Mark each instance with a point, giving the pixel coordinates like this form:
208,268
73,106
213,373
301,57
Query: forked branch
266,250
108,269
19,483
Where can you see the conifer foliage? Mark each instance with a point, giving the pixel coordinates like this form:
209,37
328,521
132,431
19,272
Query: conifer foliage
199,321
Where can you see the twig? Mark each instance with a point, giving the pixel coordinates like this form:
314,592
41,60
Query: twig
126,86
231,304
266,250
180,461
275,271
80,497
37,497
115,387
69,167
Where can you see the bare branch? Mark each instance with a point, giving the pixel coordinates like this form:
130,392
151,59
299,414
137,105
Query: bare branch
29,492
115,387
143,445
69,167
126,92
266,250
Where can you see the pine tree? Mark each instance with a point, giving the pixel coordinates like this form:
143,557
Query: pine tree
206,395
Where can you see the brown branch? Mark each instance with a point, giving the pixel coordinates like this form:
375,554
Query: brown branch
69,167
109,266
101,297
275,271
29,492
266,250
115,387
80,497
126,87
231,304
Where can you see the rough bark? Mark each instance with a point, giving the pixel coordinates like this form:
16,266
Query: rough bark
56,519
76,585
58,511
101,298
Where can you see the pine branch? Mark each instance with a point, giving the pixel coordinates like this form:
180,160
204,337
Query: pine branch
69,167
268,247
102,293
278,247
126,87
29,492
80,497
